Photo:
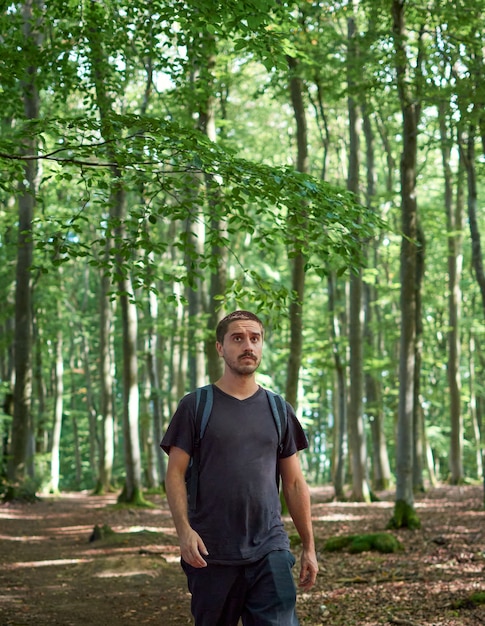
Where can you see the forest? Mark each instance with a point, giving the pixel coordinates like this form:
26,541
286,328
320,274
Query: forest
318,163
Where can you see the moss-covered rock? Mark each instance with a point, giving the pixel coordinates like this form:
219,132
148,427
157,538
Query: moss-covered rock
379,542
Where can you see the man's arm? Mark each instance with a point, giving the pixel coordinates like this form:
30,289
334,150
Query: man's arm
191,545
297,496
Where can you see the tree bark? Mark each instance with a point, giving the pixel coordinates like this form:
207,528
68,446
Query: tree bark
20,461
404,513
340,439
106,378
58,410
454,224
298,260
357,436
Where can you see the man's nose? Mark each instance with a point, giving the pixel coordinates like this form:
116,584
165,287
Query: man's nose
247,344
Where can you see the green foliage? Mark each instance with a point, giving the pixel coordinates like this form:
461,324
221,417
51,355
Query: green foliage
355,544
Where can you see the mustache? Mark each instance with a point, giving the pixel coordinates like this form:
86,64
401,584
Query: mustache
249,355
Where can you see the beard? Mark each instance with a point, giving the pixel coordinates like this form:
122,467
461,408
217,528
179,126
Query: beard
244,365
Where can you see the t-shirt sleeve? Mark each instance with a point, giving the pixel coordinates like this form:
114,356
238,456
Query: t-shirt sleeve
295,438
181,430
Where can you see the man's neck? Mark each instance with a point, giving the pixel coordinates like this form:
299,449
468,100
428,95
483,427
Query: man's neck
238,386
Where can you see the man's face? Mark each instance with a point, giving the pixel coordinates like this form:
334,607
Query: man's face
243,346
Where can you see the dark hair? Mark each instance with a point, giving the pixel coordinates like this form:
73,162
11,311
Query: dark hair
223,325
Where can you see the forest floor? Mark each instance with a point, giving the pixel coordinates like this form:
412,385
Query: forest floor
52,574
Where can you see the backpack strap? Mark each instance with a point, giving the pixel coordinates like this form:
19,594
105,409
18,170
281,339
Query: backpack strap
203,408
280,415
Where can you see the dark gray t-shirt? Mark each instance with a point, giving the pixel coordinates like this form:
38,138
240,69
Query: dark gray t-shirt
238,511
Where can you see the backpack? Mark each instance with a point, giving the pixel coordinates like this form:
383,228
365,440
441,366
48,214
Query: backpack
203,408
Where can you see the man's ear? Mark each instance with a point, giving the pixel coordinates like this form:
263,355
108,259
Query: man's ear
219,348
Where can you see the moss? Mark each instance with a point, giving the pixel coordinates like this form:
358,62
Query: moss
471,602
101,532
380,542
137,499
404,516
333,544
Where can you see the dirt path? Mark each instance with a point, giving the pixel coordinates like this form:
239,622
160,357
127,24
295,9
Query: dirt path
51,574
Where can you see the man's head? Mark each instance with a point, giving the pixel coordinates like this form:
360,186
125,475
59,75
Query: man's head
223,325
240,342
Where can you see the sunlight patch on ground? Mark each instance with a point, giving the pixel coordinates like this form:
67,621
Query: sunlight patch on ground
23,538
113,574
149,529
339,517
50,562
11,514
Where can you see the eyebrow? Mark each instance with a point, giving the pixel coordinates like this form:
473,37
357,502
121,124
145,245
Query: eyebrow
252,333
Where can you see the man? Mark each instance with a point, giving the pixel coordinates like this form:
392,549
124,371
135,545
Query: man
234,548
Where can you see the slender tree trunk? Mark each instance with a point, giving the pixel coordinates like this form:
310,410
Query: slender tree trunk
418,414
340,426
404,513
468,154
217,228
90,406
106,376
474,407
454,224
75,428
153,349
58,410
357,436
372,332
298,258
20,461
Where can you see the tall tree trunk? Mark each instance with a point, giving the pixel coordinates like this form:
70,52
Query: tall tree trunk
75,427
418,414
20,461
404,513
153,350
217,227
474,407
132,491
468,154
298,258
454,225
58,410
340,404
106,378
372,333
357,436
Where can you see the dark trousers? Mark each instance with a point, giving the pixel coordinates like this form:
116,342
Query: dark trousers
261,593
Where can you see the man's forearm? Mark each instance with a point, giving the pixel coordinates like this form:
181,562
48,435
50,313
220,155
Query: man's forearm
177,501
297,498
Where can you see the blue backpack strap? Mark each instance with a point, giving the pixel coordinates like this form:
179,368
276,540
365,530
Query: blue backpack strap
203,403
203,408
280,415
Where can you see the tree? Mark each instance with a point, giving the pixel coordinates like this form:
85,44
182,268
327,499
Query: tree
22,429
404,513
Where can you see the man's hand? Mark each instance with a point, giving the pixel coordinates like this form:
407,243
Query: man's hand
309,569
192,549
